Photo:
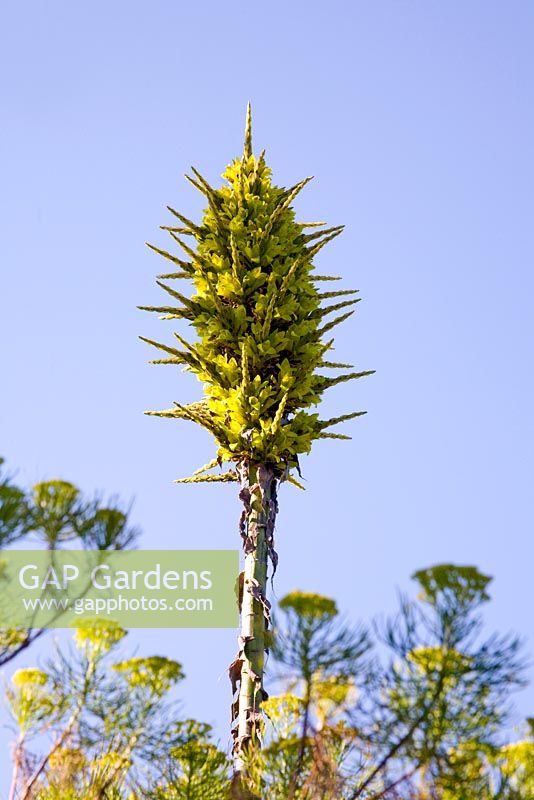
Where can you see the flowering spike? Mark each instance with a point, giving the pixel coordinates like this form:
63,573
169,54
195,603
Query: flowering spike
335,365
334,322
291,479
247,150
311,236
337,306
190,226
225,477
206,468
172,276
172,350
185,265
327,423
343,293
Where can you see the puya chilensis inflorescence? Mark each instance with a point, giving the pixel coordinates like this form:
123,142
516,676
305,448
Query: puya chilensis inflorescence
262,321
263,334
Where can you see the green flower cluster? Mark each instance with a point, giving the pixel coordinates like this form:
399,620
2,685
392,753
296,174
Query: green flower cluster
98,636
30,699
155,672
309,604
262,327
29,677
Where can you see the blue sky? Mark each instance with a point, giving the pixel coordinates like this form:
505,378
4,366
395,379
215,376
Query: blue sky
417,120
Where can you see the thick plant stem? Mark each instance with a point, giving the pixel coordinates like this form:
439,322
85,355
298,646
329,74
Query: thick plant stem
258,494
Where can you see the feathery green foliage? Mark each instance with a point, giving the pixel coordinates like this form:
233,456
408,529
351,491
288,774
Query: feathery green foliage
428,723
424,715
54,513
90,726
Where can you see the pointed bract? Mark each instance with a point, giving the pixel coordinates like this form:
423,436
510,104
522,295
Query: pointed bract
247,149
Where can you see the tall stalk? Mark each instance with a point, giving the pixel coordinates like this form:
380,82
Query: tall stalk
262,339
258,494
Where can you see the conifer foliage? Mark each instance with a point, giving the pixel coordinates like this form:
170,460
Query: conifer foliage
263,321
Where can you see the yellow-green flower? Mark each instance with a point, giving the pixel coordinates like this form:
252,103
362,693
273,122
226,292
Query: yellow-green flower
308,604
69,759
432,659
30,701
12,637
155,672
113,761
25,678
98,635
332,695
